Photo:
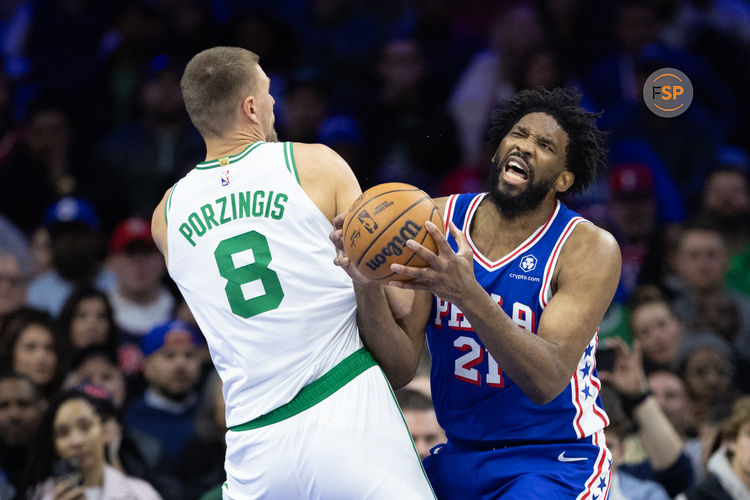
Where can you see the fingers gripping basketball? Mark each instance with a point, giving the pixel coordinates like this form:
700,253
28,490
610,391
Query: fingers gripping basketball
380,222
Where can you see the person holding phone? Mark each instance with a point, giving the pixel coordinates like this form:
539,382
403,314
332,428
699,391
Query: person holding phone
68,462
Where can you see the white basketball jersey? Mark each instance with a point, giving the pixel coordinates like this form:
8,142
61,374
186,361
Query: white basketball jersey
250,253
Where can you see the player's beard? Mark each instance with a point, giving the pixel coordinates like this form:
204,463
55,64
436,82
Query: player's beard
272,136
514,204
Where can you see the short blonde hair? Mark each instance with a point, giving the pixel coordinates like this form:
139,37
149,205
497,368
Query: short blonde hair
214,83
739,417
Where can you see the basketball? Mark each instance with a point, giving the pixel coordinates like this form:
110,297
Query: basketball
379,223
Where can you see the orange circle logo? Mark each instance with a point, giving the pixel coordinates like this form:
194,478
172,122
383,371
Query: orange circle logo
668,92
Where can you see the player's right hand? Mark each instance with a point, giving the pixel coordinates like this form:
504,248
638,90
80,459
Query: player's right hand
341,259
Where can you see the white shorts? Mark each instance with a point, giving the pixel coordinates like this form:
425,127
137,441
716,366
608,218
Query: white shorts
352,445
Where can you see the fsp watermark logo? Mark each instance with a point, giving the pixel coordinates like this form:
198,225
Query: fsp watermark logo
668,92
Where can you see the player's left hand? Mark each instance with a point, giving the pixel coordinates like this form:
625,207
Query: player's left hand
341,260
449,274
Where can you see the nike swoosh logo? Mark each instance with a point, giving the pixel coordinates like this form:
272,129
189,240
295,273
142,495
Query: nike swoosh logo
562,458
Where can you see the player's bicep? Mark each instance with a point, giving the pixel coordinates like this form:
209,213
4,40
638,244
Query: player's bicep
586,283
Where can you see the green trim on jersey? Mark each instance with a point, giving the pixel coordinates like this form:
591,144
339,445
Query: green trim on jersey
315,392
291,165
168,204
226,160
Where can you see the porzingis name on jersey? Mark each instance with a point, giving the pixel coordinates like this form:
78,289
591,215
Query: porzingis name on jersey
235,206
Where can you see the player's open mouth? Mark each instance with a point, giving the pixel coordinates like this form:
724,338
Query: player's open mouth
516,171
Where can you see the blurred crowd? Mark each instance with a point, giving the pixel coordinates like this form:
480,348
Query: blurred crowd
93,131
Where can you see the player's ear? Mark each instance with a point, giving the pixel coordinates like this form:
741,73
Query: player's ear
564,181
248,108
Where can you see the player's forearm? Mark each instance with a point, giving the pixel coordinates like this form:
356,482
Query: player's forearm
536,365
660,440
386,340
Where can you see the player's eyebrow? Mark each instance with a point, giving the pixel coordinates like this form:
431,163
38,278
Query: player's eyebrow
541,138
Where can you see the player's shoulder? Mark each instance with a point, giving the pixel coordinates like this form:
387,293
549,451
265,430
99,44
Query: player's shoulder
595,243
314,152
318,161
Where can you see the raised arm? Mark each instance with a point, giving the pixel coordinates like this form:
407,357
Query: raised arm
583,285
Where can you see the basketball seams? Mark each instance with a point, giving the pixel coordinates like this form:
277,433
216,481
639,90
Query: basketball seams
346,227
424,237
395,219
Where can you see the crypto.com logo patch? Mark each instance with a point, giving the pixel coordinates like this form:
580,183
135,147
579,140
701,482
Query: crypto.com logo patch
668,92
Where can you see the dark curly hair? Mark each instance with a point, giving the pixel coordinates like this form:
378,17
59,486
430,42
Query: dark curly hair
586,153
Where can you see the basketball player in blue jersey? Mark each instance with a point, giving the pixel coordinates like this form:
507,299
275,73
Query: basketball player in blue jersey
510,304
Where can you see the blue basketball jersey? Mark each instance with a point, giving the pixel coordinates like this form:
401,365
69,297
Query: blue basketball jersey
476,402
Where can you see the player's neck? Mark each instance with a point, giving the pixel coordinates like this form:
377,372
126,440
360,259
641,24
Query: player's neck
496,234
525,223
232,144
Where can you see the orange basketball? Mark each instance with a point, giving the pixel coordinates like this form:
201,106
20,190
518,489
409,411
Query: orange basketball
380,222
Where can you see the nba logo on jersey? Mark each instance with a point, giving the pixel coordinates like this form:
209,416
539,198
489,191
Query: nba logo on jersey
225,178
528,263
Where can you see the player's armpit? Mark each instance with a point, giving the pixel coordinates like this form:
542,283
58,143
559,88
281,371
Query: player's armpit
585,281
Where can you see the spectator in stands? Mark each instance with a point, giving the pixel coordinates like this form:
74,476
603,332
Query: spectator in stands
75,242
656,328
86,319
39,170
666,461
708,367
702,299
729,468
73,426
96,364
624,486
670,391
13,282
30,346
633,212
41,253
131,450
489,77
141,301
726,200
168,408
146,156
410,138
305,108
421,420
21,408
343,134
202,461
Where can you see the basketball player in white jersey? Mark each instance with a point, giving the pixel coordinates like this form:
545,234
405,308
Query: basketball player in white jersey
245,237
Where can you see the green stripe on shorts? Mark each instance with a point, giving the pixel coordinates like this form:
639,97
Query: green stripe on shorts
312,394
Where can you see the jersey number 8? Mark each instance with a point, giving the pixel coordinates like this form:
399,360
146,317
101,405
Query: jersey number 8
257,270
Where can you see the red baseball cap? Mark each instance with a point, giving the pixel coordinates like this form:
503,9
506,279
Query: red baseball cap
631,181
134,229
